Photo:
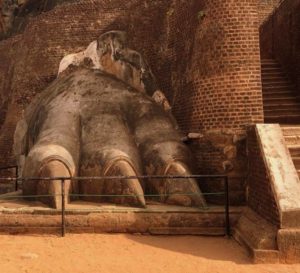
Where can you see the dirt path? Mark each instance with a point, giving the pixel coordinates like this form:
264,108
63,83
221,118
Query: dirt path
127,253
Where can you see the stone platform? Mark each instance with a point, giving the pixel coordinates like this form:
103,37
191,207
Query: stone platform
20,216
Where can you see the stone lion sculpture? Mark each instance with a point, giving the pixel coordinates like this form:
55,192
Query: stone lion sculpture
104,116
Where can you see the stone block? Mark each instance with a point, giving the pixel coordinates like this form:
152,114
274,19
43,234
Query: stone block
289,245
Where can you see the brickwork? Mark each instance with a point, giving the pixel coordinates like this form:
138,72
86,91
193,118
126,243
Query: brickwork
205,55
222,88
223,83
222,152
266,8
44,43
260,196
153,29
280,38
223,58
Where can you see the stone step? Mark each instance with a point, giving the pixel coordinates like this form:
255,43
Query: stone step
90,217
281,112
272,78
273,73
279,94
270,66
279,87
290,130
264,60
280,82
288,92
289,106
292,140
296,161
287,119
271,69
281,104
280,101
268,61
294,150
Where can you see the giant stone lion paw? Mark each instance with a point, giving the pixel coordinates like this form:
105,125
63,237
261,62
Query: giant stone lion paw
104,116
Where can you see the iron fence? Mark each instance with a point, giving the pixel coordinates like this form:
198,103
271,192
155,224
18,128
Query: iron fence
63,180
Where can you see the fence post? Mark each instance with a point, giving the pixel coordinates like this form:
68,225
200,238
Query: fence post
63,224
227,219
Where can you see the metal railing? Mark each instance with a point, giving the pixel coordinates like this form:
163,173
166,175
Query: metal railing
63,180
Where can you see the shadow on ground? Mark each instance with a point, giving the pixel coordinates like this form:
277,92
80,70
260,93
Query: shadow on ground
212,248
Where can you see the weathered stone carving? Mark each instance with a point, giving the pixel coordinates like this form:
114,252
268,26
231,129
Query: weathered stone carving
104,116
7,13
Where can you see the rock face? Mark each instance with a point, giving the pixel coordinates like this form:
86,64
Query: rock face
7,13
13,12
104,116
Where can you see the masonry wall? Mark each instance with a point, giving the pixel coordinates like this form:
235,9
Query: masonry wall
266,8
162,30
221,93
205,55
280,38
260,196
66,29
223,85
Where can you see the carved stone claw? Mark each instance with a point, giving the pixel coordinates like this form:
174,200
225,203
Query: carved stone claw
130,188
183,191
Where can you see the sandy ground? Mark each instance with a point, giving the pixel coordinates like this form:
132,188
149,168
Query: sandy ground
127,253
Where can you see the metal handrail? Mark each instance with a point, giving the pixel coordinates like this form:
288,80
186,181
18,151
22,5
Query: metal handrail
64,179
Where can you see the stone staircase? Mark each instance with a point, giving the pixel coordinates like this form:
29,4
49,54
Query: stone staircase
292,139
282,105
281,102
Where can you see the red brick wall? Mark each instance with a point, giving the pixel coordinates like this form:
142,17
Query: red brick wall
162,30
260,196
211,159
266,8
204,53
280,38
66,29
222,88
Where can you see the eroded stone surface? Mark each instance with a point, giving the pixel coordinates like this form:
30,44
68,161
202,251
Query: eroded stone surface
289,245
94,217
282,173
98,119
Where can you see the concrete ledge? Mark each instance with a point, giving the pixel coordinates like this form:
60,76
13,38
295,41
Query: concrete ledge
99,218
289,245
265,242
258,236
282,174
259,256
290,218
